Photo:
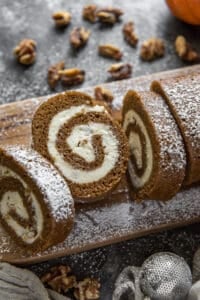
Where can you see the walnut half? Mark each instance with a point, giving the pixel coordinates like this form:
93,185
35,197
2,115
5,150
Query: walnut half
185,50
88,289
152,48
25,51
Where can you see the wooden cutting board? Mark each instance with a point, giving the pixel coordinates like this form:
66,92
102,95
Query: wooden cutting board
118,217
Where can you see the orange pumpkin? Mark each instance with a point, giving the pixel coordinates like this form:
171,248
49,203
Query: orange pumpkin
186,10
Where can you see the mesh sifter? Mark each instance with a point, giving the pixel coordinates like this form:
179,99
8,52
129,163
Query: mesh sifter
165,276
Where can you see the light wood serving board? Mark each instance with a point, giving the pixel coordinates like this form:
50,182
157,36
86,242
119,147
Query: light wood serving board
117,218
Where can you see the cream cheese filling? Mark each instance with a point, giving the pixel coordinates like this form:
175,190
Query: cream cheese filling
12,200
80,142
136,149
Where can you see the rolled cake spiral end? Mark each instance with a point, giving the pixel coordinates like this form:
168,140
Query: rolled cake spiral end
157,160
85,144
35,201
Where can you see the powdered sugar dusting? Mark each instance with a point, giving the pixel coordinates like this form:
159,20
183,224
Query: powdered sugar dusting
183,94
172,150
53,187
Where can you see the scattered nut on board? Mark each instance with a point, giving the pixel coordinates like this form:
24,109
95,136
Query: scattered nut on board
120,71
185,50
89,13
53,73
110,51
79,37
25,51
129,34
152,48
61,18
103,94
109,15
88,289
59,278
72,76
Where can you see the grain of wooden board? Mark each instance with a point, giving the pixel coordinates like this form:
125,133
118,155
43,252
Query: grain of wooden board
118,217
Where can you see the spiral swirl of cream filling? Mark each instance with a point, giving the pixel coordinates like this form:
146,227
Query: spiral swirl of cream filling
12,200
76,141
134,139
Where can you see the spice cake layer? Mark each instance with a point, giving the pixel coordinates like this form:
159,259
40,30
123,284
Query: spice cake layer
35,201
182,94
81,139
157,162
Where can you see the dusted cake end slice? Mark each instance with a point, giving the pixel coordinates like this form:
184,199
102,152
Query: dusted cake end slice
157,161
35,201
81,139
182,95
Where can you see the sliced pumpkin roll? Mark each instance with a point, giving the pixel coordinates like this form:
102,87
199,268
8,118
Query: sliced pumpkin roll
157,161
35,201
182,94
81,139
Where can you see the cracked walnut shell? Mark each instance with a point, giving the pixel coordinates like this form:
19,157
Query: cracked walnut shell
25,51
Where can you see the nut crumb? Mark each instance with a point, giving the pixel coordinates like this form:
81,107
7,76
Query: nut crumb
62,18
152,48
59,278
25,51
109,15
111,51
129,34
185,50
88,289
103,94
79,37
89,13
72,76
120,71
53,73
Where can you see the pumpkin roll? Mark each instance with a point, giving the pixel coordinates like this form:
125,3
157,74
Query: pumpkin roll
157,161
81,139
182,94
35,201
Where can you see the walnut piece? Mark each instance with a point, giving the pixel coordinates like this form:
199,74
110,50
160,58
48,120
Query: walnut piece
129,34
185,50
61,18
152,48
79,37
53,73
72,76
120,71
89,13
103,94
25,51
109,15
111,51
88,289
59,279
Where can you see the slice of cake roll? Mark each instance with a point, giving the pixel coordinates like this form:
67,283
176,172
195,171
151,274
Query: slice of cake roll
182,95
157,162
36,206
83,142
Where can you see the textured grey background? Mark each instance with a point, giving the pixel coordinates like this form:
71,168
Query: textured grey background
32,19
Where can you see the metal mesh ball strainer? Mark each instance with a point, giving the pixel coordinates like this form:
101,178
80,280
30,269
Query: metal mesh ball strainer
165,276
